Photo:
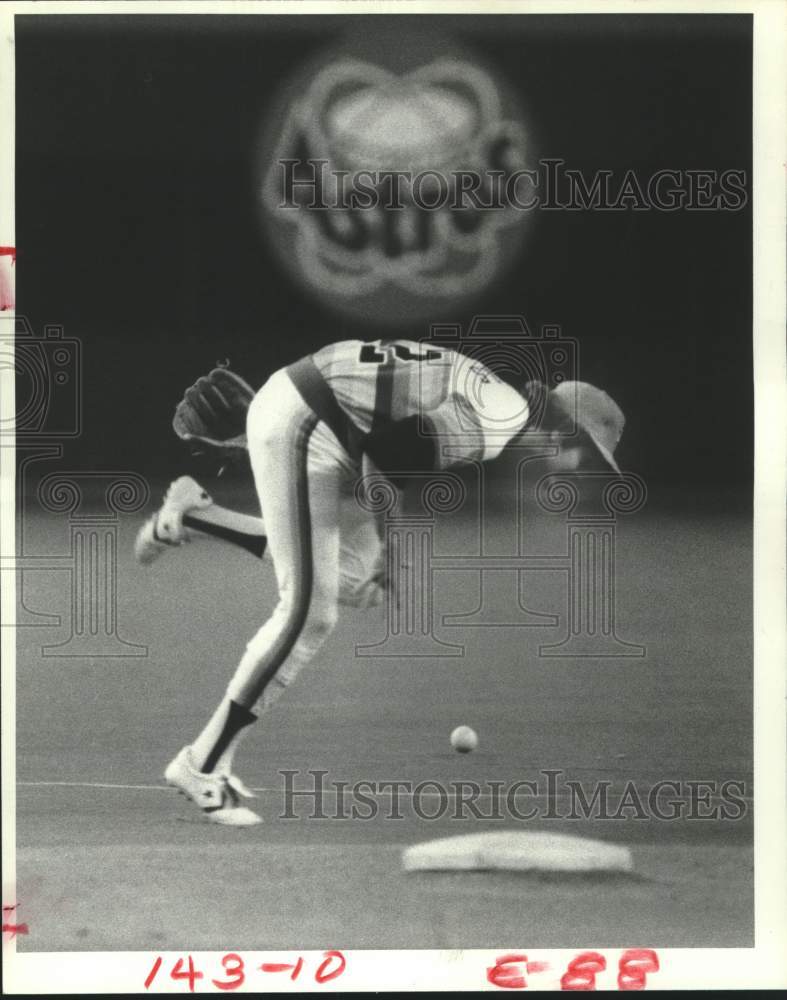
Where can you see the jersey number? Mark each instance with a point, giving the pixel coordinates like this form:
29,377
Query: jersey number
374,355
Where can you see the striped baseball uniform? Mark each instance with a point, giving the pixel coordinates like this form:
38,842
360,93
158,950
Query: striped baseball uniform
456,401
312,430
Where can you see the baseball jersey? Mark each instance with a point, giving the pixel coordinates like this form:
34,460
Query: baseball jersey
470,412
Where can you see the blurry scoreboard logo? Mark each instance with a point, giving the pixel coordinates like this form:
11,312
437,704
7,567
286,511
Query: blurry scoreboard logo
389,195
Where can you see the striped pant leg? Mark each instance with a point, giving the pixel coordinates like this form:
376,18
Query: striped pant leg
299,468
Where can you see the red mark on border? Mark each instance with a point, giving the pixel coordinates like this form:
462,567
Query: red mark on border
191,974
504,972
9,928
14,929
233,966
582,971
283,967
508,972
633,967
153,972
6,281
322,975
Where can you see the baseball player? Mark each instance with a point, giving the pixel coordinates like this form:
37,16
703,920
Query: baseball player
311,432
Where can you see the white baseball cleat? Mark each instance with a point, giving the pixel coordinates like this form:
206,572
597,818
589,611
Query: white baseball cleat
217,795
165,528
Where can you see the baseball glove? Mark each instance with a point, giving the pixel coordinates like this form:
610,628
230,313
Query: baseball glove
212,414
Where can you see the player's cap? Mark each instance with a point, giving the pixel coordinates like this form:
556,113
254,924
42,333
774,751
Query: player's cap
595,412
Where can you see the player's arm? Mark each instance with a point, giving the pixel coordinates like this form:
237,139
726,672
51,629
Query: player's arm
464,428
478,417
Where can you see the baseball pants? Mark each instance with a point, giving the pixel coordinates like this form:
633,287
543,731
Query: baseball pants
305,481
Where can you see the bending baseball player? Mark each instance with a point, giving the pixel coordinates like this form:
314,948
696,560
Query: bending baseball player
312,431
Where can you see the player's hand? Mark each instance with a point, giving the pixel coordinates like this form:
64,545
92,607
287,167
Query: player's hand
211,417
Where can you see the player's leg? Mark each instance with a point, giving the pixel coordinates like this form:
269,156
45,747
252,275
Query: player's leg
298,468
165,528
363,577
298,482
188,509
362,571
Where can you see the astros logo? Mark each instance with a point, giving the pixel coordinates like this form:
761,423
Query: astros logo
380,184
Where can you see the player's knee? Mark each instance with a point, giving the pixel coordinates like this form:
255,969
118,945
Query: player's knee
320,622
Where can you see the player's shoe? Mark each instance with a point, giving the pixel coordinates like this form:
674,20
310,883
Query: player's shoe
217,795
165,528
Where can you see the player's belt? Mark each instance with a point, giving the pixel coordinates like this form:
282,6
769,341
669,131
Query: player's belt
316,393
